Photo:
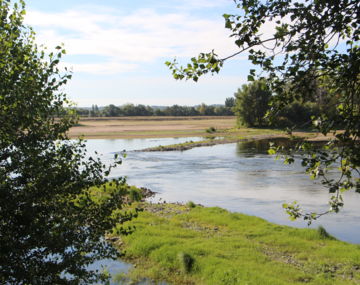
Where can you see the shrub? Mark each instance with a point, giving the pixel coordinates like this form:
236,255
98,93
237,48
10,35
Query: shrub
211,130
191,204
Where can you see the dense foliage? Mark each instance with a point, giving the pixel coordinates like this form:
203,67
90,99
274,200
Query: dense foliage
252,103
142,110
302,48
51,226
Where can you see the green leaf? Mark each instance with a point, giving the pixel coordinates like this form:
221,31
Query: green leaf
250,78
226,16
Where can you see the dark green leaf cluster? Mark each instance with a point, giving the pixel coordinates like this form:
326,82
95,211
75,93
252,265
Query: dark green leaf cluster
51,225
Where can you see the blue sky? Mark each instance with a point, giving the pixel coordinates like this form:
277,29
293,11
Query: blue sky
117,48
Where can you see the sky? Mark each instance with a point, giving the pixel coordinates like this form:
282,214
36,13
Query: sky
117,48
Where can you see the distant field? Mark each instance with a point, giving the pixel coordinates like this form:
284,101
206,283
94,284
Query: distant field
150,127
161,127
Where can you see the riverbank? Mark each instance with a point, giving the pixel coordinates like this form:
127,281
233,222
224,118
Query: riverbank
190,244
214,129
209,142
232,136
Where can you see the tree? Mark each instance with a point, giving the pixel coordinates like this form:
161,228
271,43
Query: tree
252,103
313,43
94,112
111,111
142,110
129,110
202,109
230,102
51,226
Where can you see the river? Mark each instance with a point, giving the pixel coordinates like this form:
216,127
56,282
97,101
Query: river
239,177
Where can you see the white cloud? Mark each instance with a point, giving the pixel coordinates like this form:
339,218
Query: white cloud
129,40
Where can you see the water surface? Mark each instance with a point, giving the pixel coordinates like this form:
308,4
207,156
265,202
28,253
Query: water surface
240,177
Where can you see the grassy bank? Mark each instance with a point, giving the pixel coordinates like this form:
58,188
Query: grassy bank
232,136
196,245
208,142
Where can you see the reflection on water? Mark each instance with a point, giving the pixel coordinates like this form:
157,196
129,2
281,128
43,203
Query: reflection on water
238,177
251,148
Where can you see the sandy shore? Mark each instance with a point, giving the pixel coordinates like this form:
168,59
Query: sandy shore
149,127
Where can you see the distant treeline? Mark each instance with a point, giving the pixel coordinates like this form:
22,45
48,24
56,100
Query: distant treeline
142,110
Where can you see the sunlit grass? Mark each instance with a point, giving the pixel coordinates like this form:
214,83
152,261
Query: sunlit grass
196,245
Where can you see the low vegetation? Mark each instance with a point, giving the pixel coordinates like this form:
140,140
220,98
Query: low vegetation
211,130
232,136
191,244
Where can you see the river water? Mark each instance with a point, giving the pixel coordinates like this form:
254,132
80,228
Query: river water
240,177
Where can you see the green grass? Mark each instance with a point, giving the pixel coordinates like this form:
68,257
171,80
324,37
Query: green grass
181,146
103,193
197,245
228,136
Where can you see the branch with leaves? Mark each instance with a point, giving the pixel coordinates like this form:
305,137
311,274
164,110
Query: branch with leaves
314,45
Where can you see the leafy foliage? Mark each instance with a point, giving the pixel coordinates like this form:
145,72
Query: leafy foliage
230,102
142,110
314,43
252,103
51,225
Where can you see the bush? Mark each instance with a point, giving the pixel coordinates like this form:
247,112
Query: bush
135,194
211,130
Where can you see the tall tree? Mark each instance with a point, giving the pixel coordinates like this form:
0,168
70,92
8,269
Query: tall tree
111,111
230,102
252,103
311,42
51,227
